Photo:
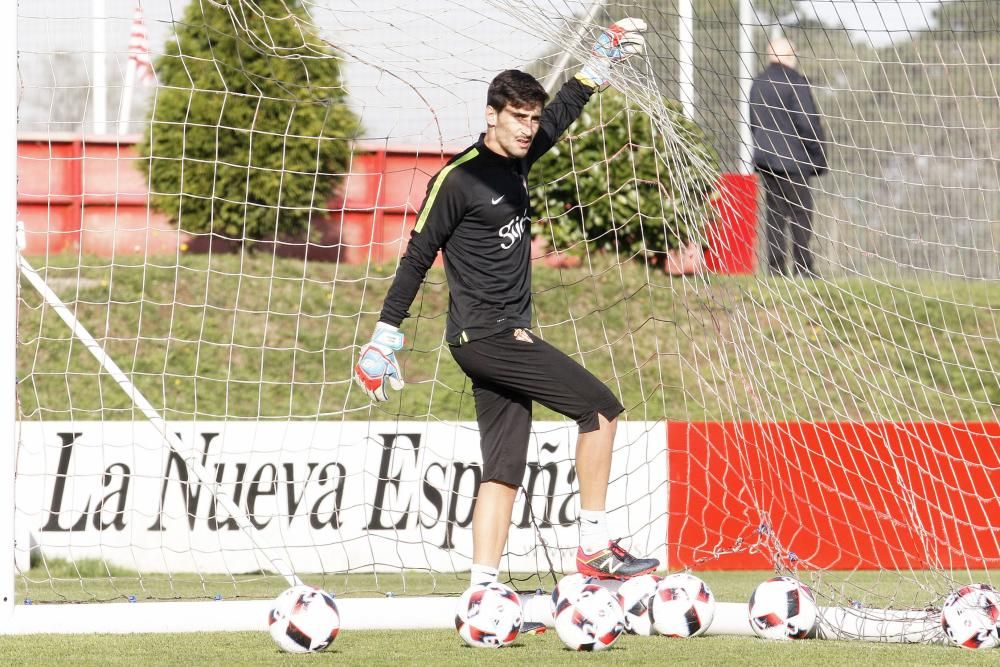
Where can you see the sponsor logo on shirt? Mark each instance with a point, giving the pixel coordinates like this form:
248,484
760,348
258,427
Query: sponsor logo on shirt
497,200
511,232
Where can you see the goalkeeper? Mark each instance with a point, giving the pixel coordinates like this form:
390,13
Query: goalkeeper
478,212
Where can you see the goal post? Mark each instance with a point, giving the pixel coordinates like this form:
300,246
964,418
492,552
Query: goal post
187,455
186,437
9,299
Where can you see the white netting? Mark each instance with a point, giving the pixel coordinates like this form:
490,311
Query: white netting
844,427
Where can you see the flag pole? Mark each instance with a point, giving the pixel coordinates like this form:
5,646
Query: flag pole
125,112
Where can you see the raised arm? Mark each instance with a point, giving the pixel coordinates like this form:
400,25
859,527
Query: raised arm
617,43
559,114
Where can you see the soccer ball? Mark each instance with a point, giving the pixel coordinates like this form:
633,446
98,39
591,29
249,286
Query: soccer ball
304,619
971,616
682,606
488,615
590,620
568,586
782,608
634,596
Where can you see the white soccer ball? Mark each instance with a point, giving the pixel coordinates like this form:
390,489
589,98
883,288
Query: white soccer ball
971,617
682,606
568,586
488,615
304,619
782,608
590,620
635,597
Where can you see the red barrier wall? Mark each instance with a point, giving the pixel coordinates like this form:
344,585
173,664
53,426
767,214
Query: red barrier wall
837,495
89,195
382,196
732,239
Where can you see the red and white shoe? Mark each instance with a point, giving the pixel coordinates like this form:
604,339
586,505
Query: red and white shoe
532,628
613,562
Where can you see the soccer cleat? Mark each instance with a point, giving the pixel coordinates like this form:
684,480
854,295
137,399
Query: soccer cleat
532,628
613,562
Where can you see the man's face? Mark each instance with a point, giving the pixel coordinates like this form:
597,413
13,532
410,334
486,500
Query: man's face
513,128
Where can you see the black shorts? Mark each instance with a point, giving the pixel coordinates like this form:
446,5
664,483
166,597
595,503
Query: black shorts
508,372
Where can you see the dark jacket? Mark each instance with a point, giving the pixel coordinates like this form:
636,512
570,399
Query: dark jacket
787,133
477,210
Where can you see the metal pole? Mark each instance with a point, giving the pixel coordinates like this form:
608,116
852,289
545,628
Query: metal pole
125,113
8,299
747,67
685,55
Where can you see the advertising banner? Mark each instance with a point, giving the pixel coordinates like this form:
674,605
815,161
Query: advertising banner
326,496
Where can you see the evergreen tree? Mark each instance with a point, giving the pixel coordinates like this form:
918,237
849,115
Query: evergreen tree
604,183
249,127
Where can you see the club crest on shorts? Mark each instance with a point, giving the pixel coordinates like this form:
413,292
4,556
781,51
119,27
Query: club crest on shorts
522,335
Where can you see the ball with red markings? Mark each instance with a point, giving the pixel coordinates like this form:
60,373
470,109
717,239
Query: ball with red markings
568,586
488,615
970,617
782,608
636,596
682,606
590,619
304,619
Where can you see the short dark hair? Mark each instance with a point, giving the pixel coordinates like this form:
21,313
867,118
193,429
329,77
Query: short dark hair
517,89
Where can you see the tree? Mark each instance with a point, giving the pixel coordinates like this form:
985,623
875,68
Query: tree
249,125
615,183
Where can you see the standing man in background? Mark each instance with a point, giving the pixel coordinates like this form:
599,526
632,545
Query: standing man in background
788,151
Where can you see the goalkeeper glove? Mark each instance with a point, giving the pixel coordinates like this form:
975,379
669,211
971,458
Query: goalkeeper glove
377,363
619,41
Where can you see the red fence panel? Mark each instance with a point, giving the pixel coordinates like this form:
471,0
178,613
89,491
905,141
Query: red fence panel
91,194
382,196
834,495
88,195
732,238
49,193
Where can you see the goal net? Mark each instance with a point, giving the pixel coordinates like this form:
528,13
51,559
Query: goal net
214,196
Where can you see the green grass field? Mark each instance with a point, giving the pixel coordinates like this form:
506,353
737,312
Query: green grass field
91,581
443,647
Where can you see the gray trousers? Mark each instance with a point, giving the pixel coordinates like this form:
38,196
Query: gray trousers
789,203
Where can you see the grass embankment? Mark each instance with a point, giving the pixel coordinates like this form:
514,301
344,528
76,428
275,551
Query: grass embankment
254,337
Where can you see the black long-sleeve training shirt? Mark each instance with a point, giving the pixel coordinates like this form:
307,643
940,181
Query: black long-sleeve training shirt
478,211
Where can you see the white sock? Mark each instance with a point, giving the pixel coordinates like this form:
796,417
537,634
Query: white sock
482,574
593,530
